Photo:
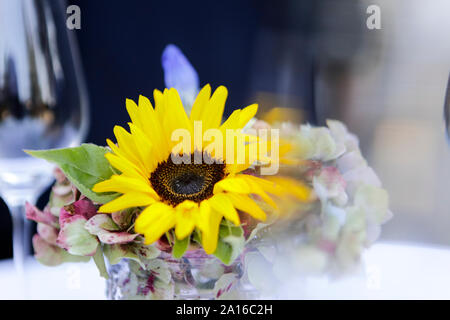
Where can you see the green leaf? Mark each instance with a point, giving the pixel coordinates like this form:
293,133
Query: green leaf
67,257
52,255
180,246
116,252
229,248
100,263
163,284
84,166
231,242
145,252
74,237
197,236
229,229
100,223
223,252
56,202
160,269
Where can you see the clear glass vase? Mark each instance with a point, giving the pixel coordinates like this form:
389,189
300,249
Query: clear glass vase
195,276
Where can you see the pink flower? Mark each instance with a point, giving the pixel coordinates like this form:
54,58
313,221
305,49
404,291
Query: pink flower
33,213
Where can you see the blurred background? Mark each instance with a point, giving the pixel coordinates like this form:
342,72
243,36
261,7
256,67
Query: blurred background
388,85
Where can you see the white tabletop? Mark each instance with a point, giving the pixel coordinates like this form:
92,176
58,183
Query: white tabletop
67,281
390,271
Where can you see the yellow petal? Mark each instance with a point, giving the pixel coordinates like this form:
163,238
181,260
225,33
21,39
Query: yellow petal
200,103
293,187
127,146
145,149
186,216
246,204
123,165
209,111
186,205
232,122
127,200
247,114
222,204
154,221
258,190
160,104
124,184
235,184
244,155
154,232
153,128
239,118
150,215
211,235
133,112
213,111
175,116
144,104
204,215
266,184
119,152
158,96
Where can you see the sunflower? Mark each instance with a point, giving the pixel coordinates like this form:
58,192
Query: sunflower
183,196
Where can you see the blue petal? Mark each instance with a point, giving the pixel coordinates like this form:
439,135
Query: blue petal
180,74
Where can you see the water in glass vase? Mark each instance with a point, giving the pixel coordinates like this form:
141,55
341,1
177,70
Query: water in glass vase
196,276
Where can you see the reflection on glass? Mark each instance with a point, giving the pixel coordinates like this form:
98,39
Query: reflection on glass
447,109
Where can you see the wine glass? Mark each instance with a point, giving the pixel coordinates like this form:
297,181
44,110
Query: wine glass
43,103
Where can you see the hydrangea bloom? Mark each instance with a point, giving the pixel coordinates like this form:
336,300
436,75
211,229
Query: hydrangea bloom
330,235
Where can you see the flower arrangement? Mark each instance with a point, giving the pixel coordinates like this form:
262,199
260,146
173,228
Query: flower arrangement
207,217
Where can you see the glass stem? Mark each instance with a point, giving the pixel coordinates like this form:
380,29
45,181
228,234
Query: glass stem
21,229
21,236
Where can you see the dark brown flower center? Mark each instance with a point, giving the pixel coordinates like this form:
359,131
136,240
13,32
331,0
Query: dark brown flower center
175,183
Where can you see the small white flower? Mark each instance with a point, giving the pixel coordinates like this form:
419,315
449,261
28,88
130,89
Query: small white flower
342,136
330,184
319,143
